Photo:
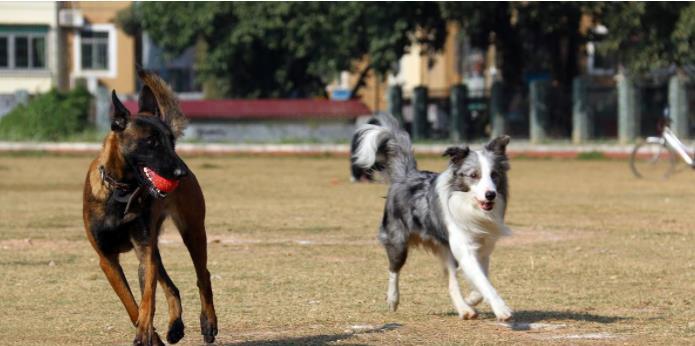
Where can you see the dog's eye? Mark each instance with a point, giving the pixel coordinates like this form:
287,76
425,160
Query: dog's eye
494,175
152,142
473,175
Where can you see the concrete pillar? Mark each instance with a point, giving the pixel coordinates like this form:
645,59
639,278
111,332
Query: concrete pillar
395,102
102,100
539,112
628,110
678,106
581,118
458,102
498,121
420,123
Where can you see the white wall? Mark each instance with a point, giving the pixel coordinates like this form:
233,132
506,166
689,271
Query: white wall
35,13
31,13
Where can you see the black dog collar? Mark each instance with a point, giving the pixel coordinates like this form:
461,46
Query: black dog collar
122,192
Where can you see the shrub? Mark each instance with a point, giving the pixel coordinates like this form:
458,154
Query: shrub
50,116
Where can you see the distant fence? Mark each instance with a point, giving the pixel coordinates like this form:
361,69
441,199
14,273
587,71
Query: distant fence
690,96
594,108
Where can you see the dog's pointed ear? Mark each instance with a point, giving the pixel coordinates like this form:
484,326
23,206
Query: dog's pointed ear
498,145
457,154
120,114
148,102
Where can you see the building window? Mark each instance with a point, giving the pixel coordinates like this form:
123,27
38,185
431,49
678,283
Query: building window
4,50
21,52
22,49
95,50
38,52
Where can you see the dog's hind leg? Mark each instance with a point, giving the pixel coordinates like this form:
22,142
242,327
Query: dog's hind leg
147,253
462,308
189,217
114,274
175,325
397,254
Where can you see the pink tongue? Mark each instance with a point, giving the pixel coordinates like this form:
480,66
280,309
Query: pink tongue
486,205
161,183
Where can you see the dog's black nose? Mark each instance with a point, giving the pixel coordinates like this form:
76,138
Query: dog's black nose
490,195
180,173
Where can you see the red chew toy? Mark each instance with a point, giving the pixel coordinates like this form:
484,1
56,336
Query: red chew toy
161,183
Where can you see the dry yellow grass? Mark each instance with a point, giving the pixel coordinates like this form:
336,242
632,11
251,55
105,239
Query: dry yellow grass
597,257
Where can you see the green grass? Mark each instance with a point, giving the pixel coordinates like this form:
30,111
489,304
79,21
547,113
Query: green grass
591,155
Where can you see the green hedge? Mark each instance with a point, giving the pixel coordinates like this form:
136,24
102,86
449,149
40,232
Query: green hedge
48,117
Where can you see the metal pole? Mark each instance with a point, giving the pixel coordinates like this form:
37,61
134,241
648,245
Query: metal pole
420,124
539,110
459,112
497,113
395,106
581,122
678,106
628,110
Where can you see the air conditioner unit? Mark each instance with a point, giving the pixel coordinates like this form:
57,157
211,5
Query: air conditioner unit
70,18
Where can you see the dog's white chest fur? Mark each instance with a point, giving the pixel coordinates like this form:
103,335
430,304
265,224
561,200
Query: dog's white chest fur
468,217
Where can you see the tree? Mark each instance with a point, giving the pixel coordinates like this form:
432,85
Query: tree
285,49
530,37
647,36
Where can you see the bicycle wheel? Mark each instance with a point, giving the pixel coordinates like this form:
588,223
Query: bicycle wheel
652,159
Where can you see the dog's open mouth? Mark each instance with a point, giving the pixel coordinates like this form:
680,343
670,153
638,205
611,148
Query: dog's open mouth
158,185
486,205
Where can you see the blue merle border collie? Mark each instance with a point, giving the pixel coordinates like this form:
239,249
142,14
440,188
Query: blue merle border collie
457,214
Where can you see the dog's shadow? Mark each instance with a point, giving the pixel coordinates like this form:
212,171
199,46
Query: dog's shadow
532,316
525,319
321,339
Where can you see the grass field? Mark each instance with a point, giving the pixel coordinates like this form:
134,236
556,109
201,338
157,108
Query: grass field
597,257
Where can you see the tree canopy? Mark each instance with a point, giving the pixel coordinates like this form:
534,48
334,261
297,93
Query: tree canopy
285,49
649,35
294,49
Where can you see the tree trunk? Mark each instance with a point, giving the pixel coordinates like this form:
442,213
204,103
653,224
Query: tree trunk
360,81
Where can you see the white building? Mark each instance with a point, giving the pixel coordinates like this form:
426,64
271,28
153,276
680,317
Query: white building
28,46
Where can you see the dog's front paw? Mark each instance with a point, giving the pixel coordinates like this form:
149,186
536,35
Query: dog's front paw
503,313
208,327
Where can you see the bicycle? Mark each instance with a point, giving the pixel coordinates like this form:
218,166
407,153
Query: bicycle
655,155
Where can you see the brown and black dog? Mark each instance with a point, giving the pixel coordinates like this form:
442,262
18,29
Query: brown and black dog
131,187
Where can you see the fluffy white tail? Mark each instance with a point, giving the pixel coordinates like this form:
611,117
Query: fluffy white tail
384,146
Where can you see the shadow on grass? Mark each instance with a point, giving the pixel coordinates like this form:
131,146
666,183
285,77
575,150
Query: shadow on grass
531,316
322,339
524,319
